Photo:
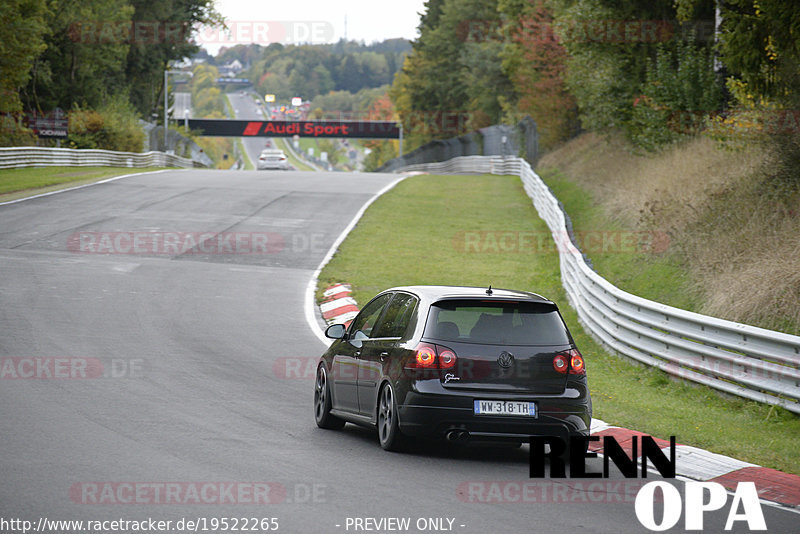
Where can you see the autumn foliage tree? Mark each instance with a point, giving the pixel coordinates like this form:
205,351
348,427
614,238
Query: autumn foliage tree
381,151
535,61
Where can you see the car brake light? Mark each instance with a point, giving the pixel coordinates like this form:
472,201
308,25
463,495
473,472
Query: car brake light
570,362
430,356
425,356
576,364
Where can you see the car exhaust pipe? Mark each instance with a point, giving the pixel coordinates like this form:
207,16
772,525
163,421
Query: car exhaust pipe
457,435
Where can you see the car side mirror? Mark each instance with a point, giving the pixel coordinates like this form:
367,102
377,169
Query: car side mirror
336,331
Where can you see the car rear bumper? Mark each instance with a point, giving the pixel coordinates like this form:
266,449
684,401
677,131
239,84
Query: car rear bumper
436,415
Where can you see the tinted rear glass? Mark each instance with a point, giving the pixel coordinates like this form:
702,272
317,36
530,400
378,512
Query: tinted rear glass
496,323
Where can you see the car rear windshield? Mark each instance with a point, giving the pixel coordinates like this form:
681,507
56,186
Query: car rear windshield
496,323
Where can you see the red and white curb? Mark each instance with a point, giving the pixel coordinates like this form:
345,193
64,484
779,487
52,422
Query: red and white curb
337,306
309,302
698,464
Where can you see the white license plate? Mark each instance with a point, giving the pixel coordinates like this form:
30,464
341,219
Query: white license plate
495,407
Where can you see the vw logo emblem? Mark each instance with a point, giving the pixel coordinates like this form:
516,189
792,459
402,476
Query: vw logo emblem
505,360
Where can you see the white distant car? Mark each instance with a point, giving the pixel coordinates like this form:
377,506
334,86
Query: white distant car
272,158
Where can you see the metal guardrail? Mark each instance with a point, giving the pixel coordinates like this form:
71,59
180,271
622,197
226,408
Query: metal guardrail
32,156
751,362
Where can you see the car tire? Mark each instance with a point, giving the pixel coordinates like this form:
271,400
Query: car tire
389,435
322,402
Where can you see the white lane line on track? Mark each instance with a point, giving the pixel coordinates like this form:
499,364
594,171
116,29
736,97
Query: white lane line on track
112,179
310,301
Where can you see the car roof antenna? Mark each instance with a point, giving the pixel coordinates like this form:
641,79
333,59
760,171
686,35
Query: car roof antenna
489,291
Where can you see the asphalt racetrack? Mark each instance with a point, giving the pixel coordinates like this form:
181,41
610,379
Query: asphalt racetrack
157,379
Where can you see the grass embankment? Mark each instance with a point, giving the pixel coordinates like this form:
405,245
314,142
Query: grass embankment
309,142
19,183
449,230
299,165
731,221
248,165
217,148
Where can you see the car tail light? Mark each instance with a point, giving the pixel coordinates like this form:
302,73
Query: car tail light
576,363
560,363
447,358
425,357
430,356
569,361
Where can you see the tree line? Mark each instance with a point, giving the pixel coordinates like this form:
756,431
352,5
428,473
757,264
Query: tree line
658,70
103,56
308,71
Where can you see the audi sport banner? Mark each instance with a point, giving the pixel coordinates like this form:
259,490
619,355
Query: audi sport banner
241,128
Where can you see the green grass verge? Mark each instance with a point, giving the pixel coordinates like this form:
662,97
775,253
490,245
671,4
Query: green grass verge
309,142
19,183
248,165
299,165
229,108
415,234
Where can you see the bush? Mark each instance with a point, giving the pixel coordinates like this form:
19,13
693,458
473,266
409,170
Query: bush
121,129
84,128
380,152
14,133
114,126
680,92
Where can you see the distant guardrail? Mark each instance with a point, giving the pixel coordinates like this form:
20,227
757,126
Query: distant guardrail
496,140
33,156
751,362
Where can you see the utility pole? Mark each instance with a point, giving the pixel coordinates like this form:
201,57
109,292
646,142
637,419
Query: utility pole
401,141
166,108
167,72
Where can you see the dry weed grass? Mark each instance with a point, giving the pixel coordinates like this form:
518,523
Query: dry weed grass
745,254
667,189
736,226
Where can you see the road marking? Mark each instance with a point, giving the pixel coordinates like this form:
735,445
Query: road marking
105,181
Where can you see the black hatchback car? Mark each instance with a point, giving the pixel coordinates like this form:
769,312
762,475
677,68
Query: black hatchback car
465,364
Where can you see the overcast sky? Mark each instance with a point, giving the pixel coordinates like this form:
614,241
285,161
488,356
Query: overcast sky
316,21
